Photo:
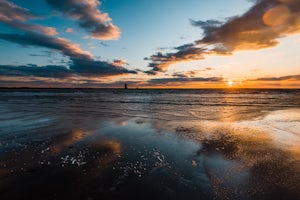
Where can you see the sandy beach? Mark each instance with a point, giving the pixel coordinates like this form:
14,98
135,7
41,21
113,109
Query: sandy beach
49,153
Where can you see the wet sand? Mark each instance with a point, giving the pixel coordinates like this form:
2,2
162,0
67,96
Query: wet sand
74,153
134,159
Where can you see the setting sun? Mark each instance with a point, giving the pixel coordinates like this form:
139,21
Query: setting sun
230,83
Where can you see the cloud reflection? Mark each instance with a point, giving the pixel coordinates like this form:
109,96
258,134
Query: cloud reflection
68,141
270,167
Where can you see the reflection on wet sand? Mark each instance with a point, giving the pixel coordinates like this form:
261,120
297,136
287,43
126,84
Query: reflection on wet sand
134,159
270,169
107,152
37,173
68,140
268,166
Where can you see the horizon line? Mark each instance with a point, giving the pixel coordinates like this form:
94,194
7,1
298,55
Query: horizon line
149,88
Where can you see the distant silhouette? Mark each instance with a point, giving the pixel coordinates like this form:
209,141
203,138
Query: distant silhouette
125,87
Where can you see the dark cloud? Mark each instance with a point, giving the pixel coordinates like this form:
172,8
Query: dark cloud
42,80
82,62
162,81
50,71
282,78
30,27
160,61
88,68
181,75
207,26
38,55
190,73
184,47
119,63
16,17
104,44
68,83
89,17
260,27
62,45
43,54
98,68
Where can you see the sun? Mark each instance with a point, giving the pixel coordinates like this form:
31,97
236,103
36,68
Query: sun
230,83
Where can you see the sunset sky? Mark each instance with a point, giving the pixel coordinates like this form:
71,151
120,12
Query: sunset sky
150,43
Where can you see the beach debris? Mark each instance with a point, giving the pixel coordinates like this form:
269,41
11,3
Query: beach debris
45,150
194,163
160,157
73,160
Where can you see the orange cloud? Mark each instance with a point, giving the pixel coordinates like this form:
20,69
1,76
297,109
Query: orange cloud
119,63
89,17
292,81
69,30
16,17
260,27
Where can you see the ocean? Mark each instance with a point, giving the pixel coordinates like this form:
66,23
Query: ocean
149,144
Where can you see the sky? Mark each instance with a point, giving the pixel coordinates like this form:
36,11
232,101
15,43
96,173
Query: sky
150,44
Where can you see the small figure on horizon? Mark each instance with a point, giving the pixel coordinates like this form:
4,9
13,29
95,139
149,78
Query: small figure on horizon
125,87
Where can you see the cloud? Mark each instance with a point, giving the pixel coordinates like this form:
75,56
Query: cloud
190,73
282,78
84,68
68,82
104,44
69,30
62,45
50,71
42,80
207,26
82,62
14,12
43,54
16,17
97,24
181,75
162,61
98,68
260,27
289,81
119,63
185,80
